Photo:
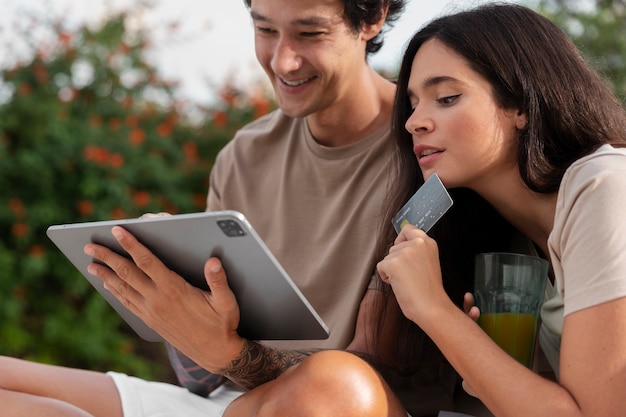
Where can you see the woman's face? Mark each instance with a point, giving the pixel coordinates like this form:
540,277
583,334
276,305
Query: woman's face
458,129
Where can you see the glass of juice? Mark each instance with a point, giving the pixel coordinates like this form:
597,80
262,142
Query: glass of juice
509,290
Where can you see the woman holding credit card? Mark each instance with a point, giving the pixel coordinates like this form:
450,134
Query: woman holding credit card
498,100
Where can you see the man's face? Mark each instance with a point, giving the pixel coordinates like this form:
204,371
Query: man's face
308,50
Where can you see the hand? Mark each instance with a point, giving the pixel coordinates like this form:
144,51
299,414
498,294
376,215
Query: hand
202,325
469,307
474,313
153,215
412,269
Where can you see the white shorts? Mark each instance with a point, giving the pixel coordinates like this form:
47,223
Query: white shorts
141,398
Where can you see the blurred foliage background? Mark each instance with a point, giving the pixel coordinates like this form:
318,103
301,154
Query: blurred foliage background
89,131
598,27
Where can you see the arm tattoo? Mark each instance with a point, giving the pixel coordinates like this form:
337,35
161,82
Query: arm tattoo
258,364
190,375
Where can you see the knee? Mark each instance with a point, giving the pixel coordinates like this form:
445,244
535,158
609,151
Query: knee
346,383
335,383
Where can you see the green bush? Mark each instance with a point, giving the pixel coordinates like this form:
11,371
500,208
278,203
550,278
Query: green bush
89,131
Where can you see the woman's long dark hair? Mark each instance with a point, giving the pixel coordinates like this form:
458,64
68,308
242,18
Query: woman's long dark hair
531,65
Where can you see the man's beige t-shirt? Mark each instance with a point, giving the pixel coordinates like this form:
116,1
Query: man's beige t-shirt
317,208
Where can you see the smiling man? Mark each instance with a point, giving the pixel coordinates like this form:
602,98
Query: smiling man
310,177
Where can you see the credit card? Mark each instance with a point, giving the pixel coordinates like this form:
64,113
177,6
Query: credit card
426,207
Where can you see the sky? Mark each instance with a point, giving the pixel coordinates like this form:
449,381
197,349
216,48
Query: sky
213,40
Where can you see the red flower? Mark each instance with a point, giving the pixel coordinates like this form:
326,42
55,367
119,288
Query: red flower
37,251
261,106
115,124
96,154
118,213
116,160
132,121
137,136
25,89
19,229
190,149
65,38
220,119
164,129
85,207
16,205
199,200
141,198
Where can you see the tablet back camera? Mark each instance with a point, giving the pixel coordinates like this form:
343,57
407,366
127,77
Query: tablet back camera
231,228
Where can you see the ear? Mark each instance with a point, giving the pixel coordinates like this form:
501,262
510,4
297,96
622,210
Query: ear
370,31
521,120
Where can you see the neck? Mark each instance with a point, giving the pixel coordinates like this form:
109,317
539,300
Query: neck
361,110
530,212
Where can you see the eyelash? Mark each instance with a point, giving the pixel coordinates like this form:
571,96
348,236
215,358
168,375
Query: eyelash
448,100
303,34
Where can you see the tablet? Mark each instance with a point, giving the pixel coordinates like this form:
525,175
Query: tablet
271,306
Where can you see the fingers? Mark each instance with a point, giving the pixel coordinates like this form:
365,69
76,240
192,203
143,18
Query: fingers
113,274
404,246
468,388
142,257
222,296
468,306
468,302
153,215
129,280
406,232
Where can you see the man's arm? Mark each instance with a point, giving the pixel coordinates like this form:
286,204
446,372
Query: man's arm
258,364
191,375
176,310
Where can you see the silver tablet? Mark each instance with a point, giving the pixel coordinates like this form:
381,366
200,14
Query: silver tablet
271,306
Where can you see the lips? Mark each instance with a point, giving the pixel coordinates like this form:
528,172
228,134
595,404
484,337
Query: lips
295,83
422,151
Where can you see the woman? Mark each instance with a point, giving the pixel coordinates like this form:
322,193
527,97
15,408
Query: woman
498,100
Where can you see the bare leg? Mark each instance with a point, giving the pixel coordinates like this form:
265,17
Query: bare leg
28,388
327,384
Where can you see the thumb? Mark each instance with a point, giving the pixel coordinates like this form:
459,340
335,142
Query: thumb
218,283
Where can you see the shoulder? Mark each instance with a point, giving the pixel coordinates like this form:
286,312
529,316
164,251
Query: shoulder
602,170
592,194
264,133
272,125
606,158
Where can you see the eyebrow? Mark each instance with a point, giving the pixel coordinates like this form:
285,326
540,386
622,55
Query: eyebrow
434,81
309,21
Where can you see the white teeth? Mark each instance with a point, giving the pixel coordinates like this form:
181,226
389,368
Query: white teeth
429,152
295,83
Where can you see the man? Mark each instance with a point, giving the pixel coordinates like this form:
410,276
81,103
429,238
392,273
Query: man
302,175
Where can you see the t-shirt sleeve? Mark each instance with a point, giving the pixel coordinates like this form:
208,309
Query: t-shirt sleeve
217,179
592,228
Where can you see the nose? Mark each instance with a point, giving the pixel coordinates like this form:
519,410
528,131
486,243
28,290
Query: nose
418,122
286,58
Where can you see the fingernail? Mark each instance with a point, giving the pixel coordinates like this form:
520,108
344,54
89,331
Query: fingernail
116,232
89,250
216,268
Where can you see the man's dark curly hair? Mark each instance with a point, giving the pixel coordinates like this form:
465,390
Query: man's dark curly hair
367,12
